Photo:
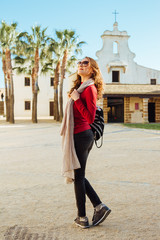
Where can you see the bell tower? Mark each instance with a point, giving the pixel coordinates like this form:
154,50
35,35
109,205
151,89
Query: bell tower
115,54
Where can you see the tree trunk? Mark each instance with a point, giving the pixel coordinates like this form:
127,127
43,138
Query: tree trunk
11,87
56,82
6,86
56,110
61,99
12,102
63,71
34,108
35,86
7,100
34,100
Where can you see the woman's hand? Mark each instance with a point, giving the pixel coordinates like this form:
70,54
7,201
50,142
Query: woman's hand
75,95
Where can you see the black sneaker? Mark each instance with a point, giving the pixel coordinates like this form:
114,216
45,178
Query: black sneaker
100,216
82,222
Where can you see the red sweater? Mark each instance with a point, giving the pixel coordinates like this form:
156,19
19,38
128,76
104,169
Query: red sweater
84,109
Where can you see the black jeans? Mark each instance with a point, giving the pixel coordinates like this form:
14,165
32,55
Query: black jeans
83,142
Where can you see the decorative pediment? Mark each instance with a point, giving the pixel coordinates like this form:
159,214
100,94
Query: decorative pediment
116,64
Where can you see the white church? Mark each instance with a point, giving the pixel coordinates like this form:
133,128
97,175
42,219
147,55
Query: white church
132,92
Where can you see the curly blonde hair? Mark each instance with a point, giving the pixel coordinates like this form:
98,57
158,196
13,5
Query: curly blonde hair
96,76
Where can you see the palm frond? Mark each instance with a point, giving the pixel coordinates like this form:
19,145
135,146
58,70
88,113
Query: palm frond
59,34
14,25
20,70
19,60
79,44
78,51
45,69
43,32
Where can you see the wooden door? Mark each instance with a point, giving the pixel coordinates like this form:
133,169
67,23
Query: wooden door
51,106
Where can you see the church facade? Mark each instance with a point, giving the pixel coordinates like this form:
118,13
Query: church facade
132,92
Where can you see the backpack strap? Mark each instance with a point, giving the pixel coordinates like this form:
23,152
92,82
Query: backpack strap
100,144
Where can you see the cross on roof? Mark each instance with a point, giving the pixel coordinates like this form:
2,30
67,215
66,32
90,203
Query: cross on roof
115,14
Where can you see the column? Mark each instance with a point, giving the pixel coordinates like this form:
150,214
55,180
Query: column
157,111
105,110
145,110
127,114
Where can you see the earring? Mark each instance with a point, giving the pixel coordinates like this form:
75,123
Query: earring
93,74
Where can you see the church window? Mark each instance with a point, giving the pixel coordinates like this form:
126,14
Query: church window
153,81
27,105
26,81
115,47
115,76
52,81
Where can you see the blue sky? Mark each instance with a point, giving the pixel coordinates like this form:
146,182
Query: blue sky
90,18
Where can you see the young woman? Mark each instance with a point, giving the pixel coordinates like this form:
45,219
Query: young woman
87,88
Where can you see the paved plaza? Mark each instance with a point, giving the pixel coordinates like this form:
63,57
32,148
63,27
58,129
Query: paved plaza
36,204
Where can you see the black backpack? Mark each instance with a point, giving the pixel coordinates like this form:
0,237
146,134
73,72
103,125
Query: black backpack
98,126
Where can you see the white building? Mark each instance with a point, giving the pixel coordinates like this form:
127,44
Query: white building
23,96
132,92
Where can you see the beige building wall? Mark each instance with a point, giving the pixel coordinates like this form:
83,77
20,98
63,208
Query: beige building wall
136,109
157,112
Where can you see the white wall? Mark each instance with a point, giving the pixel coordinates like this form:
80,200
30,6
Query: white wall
24,93
46,94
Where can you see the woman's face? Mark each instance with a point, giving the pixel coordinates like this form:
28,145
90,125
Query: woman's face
84,68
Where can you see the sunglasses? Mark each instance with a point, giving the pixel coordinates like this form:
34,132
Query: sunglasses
83,63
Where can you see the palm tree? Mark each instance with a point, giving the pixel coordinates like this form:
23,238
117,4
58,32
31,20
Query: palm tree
32,57
55,50
8,41
70,47
62,48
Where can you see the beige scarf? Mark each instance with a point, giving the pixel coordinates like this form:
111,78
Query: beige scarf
70,160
